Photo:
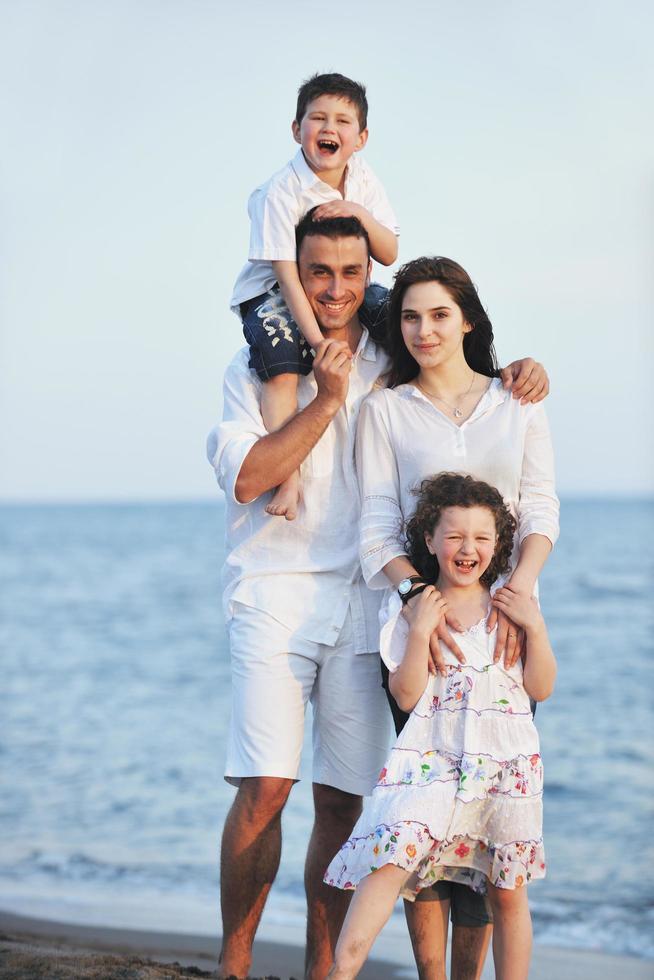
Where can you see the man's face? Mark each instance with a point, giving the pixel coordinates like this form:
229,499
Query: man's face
334,273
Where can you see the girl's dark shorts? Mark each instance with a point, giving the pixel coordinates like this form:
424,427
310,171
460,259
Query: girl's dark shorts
277,346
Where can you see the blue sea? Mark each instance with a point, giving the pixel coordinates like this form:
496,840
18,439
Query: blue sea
115,705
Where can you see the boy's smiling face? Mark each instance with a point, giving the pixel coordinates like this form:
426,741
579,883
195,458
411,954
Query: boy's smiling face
329,134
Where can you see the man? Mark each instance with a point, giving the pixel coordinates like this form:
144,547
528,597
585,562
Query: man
302,624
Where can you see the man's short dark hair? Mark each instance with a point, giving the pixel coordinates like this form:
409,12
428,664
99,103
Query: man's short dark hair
329,228
333,84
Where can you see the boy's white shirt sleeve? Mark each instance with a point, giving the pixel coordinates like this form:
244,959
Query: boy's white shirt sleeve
242,425
376,201
394,634
274,213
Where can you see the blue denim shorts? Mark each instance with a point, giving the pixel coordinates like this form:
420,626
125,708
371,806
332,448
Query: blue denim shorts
275,342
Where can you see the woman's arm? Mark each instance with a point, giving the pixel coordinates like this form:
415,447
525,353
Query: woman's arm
539,671
538,524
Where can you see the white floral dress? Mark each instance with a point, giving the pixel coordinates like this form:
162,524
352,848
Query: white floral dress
460,796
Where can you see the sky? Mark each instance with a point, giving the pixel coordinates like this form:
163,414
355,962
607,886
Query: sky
514,137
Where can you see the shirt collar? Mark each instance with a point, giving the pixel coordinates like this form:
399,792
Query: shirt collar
367,347
305,174
494,394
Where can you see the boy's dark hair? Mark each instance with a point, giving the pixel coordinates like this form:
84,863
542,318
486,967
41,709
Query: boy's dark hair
330,228
333,84
457,490
478,346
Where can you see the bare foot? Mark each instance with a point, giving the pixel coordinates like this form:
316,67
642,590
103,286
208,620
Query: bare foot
285,501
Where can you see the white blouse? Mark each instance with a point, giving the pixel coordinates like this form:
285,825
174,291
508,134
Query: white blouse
402,438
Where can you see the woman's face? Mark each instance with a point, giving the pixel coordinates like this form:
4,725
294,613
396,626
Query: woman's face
432,324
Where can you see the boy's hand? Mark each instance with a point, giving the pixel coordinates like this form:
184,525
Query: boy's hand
526,379
341,209
331,367
519,607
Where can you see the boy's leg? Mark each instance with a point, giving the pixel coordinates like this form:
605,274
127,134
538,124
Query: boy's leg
511,932
427,921
369,911
278,353
278,405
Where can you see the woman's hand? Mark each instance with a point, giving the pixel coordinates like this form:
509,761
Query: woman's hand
520,609
510,638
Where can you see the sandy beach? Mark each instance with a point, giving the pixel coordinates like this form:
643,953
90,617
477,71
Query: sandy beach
31,949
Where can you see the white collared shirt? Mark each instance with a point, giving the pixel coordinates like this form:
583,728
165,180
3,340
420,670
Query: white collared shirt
403,438
305,573
276,207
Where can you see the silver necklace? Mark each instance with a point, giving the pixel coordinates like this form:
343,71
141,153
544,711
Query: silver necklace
455,410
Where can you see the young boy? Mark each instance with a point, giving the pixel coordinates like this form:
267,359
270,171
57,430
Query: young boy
331,126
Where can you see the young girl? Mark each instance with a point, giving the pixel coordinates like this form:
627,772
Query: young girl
460,797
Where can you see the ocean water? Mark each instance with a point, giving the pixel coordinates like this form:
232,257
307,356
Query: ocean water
115,703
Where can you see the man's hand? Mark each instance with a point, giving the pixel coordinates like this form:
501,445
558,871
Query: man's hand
340,209
526,379
331,367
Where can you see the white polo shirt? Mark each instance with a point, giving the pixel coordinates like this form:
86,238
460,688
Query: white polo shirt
305,573
276,207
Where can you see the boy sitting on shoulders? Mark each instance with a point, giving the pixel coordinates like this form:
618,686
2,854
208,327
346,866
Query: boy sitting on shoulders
278,323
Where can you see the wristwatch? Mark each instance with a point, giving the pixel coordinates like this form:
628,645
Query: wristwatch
406,589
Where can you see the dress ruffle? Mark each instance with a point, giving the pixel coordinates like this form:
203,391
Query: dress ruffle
469,860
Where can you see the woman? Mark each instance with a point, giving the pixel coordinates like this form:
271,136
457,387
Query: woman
444,408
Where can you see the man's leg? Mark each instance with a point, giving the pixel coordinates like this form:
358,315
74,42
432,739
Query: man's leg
270,687
251,848
336,813
350,742
427,920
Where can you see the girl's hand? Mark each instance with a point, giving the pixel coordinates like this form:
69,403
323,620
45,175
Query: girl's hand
427,614
519,608
425,611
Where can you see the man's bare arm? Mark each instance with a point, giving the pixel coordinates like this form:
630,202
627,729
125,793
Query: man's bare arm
274,457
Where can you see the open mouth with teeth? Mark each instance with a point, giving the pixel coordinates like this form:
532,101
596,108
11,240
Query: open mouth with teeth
465,566
328,146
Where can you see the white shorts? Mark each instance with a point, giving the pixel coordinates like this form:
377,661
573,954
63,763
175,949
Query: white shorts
274,674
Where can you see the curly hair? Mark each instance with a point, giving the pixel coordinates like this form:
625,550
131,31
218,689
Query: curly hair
457,490
478,348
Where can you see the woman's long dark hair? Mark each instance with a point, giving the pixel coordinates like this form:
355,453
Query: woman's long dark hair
478,348
457,490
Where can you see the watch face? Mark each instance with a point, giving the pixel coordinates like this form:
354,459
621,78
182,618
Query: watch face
404,586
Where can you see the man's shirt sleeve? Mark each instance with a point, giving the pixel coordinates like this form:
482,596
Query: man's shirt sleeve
232,439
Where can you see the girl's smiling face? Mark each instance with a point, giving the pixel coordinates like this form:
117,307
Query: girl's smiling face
433,326
464,543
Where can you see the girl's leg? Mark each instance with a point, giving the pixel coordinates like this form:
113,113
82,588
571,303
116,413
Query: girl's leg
511,932
278,405
369,910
